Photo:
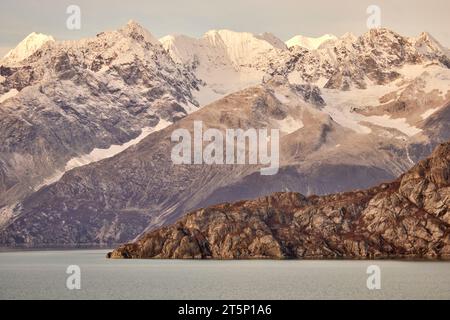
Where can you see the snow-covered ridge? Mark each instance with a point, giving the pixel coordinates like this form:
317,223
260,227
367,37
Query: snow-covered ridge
425,42
223,46
309,43
227,61
33,42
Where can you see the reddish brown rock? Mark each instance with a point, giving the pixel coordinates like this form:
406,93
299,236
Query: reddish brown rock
407,218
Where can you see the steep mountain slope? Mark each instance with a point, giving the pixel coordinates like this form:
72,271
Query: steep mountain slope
408,218
28,46
73,97
146,183
225,60
317,155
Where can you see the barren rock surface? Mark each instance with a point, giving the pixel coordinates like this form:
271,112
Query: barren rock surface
407,218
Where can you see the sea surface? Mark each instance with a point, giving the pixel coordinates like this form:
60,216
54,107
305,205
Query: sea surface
42,275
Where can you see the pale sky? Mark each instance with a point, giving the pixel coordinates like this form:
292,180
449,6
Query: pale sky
284,18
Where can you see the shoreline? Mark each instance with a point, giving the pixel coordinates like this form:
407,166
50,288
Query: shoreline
108,250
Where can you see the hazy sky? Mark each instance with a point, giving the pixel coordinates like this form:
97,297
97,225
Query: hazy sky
284,18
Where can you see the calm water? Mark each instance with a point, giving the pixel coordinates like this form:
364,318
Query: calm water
42,275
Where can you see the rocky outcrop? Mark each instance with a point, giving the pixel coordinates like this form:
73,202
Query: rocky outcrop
407,218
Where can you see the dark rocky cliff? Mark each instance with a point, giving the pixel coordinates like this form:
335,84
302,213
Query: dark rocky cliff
407,218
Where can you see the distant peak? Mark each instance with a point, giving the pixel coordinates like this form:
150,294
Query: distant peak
266,40
222,32
38,37
138,32
29,45
349,36
425,36
309,43
133,25
273,40
230,33
174,40
375,32
425,41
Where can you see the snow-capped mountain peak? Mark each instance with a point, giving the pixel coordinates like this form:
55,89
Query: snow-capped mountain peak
33,42
240,43
180,47
380,37
138,32
349,36
309,43
265,40
221,47
225,60
426,43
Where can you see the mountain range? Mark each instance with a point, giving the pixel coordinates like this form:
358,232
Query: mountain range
86,124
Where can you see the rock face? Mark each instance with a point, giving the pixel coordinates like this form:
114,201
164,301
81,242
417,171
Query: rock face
89,205
407,218
28,46
76,96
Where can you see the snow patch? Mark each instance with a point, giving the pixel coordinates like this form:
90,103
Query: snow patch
428,113
341,104
282,98
388,122
346,119
434,76
309,43
11,93
101,154
27,47
295,77
289,125
207,95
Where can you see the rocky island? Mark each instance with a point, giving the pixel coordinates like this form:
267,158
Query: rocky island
406,218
